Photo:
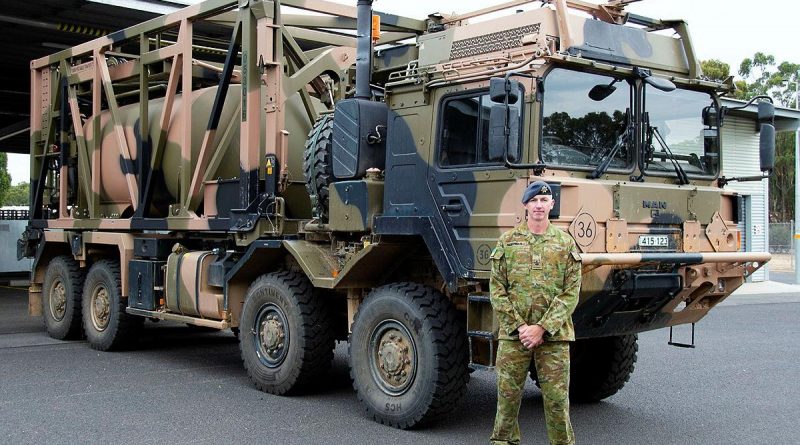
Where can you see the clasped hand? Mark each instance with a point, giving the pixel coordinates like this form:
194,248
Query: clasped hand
531,336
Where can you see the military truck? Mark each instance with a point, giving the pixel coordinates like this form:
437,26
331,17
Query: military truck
343,175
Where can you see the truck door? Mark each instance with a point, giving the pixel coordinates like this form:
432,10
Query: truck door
476,198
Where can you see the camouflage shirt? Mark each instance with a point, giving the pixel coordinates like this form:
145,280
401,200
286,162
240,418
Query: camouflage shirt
535,280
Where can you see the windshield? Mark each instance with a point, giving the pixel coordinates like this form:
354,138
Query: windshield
581,132
677,117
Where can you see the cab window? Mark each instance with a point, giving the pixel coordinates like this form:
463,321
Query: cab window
464,134
580,130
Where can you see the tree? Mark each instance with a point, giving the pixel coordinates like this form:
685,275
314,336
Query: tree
715,70
18,195
5,178
781,184
761,76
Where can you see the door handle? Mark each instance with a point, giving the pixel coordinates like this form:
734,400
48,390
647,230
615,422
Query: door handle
452,208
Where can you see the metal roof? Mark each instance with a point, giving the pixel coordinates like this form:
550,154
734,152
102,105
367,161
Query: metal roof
33,29
786,119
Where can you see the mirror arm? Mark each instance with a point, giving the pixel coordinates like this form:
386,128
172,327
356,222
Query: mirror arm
750,102
722,180
723,111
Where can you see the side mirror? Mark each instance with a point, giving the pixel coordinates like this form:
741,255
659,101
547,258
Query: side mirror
600,92
766,113
499,87
710,116
766,142
660,83
499,141
497,132
766,148
503,134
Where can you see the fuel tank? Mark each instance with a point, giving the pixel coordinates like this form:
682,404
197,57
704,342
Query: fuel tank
113,187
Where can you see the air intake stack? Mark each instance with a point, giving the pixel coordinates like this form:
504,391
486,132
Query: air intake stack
364,49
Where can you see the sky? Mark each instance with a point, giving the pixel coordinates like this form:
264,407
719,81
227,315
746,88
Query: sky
728,30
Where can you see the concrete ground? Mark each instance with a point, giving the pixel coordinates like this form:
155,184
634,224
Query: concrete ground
185,387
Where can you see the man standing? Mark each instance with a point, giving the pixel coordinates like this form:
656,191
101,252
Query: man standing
534,287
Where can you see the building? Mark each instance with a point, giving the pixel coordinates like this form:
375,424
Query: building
741,158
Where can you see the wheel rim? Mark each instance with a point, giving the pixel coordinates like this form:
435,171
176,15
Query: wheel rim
393,356
100,307
271,335
58,300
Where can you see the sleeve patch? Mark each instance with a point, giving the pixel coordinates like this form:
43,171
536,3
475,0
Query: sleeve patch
497,253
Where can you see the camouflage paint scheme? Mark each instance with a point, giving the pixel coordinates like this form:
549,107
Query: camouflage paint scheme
98,183
187,288
535,279
552,367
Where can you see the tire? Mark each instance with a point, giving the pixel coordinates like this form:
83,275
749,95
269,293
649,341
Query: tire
106,324
600,367
61,298
286,339
424,338
317,165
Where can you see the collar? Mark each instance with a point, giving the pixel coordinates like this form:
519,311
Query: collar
522,229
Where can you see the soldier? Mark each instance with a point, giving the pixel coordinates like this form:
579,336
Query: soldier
534,290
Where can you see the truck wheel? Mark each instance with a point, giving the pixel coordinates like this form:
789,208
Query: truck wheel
107,325
286,338
317,165
408,355
61,291
601,366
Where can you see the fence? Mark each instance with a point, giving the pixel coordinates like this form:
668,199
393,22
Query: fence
781,237
13,214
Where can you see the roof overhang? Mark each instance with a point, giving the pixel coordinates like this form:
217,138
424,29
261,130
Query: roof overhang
786,119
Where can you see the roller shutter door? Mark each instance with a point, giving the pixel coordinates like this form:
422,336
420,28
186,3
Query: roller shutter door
740,158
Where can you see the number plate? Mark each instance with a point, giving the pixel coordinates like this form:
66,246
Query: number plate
654,240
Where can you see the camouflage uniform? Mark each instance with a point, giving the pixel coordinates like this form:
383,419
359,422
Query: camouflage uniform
535,280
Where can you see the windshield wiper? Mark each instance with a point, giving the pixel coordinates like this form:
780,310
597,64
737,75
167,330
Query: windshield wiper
608,156
682,178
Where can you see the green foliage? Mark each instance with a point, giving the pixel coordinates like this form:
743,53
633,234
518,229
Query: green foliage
18,195
589,131
761,76
781,184
5,178
715,70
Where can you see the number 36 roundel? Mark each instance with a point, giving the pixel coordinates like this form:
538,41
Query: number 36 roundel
583,229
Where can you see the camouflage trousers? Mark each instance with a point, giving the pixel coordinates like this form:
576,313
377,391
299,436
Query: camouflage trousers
552,368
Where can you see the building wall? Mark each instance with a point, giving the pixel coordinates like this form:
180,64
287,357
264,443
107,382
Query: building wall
740,158
10,232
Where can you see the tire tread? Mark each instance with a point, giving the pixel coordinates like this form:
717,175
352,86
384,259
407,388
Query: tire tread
612,361
318,342
451,354
76,276
317,164
125,331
